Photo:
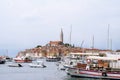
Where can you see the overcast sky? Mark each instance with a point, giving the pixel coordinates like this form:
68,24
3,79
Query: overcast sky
25,24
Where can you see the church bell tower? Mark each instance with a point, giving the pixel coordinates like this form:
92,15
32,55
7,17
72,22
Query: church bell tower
61,36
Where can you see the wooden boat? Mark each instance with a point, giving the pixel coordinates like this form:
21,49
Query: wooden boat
101,70
37,64
15,65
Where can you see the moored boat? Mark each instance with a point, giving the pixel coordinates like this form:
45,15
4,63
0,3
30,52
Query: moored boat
15,65
74,72
72,59
53,59
100,69
37,64
2,60
22,60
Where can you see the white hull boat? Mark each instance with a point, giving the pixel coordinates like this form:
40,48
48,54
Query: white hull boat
37,64
15,65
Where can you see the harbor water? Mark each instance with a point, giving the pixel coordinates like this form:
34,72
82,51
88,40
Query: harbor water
51,72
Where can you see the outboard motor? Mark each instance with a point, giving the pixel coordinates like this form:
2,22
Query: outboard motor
19,65
44,66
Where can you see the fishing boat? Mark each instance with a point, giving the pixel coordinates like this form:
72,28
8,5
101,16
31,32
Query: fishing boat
98,67
22,60
37,64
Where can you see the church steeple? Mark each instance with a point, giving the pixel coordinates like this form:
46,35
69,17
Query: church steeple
61,36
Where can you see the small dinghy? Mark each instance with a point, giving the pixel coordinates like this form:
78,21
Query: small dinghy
15,65
37,64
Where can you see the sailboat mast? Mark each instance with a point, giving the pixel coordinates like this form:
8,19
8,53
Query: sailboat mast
70,33
93,42
111,44
108,37
70,38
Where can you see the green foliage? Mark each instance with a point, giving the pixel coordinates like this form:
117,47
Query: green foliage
102,54
67,45
38,46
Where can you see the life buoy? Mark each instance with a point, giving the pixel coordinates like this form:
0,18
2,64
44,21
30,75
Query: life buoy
88,60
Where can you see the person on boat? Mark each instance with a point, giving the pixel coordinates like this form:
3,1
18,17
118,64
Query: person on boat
71,63
88,67
104,73
88,64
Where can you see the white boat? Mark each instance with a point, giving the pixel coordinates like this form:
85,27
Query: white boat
37,64
15,65
73,58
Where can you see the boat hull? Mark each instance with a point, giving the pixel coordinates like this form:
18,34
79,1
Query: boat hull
93,74
15,65
37,66
2,61
53,59
23,61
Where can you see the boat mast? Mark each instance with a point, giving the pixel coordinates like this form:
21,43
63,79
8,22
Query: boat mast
108,40
82,43
6,52
111,44
70,38
92,43
108,37
70,33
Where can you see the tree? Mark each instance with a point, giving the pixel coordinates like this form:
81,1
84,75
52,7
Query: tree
118,50
67,45
38,46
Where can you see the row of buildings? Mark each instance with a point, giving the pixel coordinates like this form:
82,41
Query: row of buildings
56,48
45,51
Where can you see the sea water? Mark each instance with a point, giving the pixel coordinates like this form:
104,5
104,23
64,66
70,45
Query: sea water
51,72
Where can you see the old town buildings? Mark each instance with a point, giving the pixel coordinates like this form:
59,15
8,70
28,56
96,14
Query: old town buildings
55,48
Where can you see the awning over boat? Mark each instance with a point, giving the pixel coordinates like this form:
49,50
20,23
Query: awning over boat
102,58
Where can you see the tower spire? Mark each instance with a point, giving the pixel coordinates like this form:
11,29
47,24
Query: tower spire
61,36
